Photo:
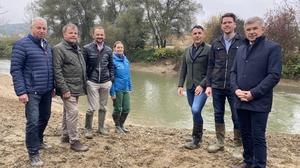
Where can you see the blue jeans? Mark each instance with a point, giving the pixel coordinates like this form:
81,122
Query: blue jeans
253,128
37,110
219,97
196,103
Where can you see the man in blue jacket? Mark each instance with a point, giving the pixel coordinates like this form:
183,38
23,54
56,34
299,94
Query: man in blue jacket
255,72
32,73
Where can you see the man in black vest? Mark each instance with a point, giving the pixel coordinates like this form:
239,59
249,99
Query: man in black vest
100,73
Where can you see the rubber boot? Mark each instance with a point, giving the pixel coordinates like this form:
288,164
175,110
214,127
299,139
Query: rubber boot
118,129
101,119
88,125
123,118
197,137
219,144
237,152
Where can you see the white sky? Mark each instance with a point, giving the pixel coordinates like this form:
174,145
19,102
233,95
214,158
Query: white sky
242,8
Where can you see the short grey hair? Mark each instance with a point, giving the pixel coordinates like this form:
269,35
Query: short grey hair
34,20
255,19
71,25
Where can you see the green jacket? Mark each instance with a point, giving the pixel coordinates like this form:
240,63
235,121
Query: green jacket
69,69
193,71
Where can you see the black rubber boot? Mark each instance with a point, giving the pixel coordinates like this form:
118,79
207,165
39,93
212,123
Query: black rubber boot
197,137
123,118
116,118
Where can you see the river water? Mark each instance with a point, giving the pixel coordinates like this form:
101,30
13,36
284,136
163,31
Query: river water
154,102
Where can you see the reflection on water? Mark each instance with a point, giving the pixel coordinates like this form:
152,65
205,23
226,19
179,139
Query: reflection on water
154,102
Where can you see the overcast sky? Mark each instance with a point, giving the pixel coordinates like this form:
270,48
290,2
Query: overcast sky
15,9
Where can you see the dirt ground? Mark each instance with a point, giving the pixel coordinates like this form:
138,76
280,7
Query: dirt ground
142,147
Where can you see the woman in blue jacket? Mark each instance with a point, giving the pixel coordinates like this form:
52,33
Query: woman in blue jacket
121,87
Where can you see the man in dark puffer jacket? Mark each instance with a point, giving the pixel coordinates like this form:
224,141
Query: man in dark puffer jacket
100,73
32,73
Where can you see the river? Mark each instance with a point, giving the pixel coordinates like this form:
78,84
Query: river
154,102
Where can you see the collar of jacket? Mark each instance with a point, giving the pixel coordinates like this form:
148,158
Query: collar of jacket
36,40
237,36
256,42
119,56
96,46
68,46
201,45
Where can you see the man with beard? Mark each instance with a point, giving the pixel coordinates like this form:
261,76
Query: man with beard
99,65
221,57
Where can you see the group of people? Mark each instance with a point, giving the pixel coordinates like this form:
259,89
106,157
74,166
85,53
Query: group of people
40,71
243,70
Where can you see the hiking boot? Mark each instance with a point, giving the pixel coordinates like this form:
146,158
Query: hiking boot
35,160
219,144
78,147
45,146
64,139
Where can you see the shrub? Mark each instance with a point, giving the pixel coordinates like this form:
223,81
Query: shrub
154,55
6,46
291,67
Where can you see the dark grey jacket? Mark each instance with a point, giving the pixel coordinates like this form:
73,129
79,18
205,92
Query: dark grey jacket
99,64
220,62
193,71
69,69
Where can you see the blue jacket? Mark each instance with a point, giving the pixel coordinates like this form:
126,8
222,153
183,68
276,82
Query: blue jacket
31,66
122,81
257,69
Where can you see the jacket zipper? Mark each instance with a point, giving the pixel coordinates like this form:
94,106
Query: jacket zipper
226,63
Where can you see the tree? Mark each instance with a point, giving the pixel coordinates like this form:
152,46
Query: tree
213,28
166,17
58,13
282,27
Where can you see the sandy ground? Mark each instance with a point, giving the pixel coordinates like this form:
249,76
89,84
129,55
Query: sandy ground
142,147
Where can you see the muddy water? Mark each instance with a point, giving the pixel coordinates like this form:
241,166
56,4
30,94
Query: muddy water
154,102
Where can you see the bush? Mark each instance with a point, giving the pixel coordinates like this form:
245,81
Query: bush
291,67
154,55
6,46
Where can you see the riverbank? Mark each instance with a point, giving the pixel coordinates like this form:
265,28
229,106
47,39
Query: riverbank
171,68
142,147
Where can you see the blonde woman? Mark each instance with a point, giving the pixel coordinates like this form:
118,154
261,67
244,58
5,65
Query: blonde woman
121,87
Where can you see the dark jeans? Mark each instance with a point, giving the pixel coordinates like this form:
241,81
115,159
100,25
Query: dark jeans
219,97
196,103
37,110
253,128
